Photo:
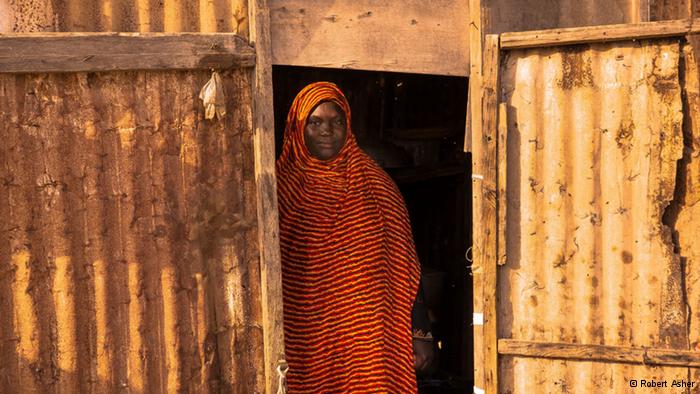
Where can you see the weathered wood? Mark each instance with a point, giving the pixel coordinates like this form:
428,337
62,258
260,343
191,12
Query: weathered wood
502,179
644,11
75,52
521,15
582,35
473,133
266,190
618,354
669,9
475,47
402,36
488,227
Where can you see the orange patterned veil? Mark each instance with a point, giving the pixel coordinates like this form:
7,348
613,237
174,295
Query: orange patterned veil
349,267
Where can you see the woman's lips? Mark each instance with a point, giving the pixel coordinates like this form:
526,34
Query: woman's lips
325,145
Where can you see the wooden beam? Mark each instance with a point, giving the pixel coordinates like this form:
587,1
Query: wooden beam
489,138
76,52
617,354
266,191
476,39
472,144
590,34
402,36
484,156
502,180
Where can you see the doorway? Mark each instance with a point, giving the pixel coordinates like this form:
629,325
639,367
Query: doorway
413,126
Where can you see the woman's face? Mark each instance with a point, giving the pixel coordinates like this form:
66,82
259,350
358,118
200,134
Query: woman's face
325,130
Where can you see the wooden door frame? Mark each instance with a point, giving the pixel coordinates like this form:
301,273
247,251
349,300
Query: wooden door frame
266,186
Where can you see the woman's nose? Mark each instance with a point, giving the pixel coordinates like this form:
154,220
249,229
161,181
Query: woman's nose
325,128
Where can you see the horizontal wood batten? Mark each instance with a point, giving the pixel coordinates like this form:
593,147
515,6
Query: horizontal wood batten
590,34
75,52
618,354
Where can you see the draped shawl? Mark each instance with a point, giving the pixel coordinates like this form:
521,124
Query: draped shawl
349,268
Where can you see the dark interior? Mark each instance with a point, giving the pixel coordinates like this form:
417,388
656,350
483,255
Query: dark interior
413,126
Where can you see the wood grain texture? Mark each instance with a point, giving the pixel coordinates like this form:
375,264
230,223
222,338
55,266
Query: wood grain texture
521,15
476,38
75,52
489,225
615,354
582,35
669,9
403,36
474,133
484,137
266,192
502,181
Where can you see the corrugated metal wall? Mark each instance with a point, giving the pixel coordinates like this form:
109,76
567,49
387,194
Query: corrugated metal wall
128,240
594,135
128,15
683,214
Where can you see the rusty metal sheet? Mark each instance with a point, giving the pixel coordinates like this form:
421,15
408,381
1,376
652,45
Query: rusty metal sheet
594,135
685,209
207,16
128,240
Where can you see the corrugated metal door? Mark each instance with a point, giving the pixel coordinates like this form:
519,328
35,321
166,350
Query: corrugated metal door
138,240
581,287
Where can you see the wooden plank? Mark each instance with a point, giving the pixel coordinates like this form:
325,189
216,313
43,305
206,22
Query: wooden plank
582,35
474,133
586,352
484,137
502,179
266,185
76,52
489,225
669,9
522,15
401,36
475,52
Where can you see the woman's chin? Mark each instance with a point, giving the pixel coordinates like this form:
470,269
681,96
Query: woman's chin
326,154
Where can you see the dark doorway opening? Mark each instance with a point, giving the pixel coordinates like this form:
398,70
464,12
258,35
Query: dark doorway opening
413,126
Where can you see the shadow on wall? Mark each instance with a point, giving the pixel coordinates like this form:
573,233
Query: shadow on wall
128,245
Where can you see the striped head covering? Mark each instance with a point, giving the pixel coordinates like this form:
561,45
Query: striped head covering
349,267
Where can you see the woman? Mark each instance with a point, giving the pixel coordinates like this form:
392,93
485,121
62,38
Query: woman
349,268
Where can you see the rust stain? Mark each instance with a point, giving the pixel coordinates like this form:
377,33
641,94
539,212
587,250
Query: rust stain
170,330
64,300
134,244
130,15
595,135
685,210
103,345
25,314
135,363
576,69
625,135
